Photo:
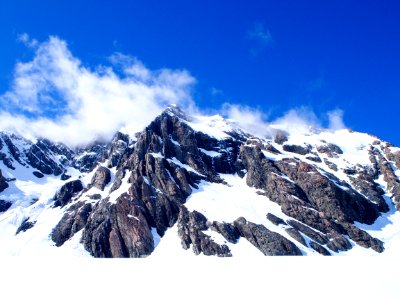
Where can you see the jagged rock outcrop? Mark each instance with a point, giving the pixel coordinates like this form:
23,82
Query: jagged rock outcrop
3,182
275,220
342,204
268,242
101,178
66,192
88,157
73,221
296,149
190,231
25,225
331,150
118,229
227,230
4,205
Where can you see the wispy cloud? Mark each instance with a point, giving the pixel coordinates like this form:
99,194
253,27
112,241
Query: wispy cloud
55,96
336,119
261,38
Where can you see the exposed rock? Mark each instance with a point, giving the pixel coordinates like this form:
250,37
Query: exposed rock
339,243
25,225
119,145
281,137
316,236
40,157
65,176
275,220
4,205
331,165
72,221
67,191
227,230
89,157
118,230
362,238
268,242
101,178
317,247
296,235
331,150
315,158
342,204
3,182
190,226
95,197
296,149
38,174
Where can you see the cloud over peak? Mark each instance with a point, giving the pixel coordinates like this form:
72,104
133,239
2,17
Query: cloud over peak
55,96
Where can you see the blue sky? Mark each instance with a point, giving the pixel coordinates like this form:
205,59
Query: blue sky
270,55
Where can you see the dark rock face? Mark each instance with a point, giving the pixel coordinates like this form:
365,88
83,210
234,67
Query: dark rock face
314,158
25,225
336,203
296,235
268,242
331,150
331,165
317,247
384,166
73,221
40,157
38,174
275,220
4,205
312,234
362,238
296,149
190,227
88,157
228,231
280,137
118,148
101,178
67,191
3,182
118,230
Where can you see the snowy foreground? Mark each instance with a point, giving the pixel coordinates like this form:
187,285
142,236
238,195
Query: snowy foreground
200,278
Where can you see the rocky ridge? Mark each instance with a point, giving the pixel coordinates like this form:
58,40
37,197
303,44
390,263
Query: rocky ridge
131,191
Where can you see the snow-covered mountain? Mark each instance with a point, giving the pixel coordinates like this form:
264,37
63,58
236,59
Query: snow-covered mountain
196,185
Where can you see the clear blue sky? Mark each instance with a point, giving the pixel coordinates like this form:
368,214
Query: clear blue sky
272,54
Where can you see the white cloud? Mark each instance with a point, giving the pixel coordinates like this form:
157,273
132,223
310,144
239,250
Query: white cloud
249,119
76,105
336,119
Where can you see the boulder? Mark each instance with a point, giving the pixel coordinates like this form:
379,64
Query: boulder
66,192
268,242
101,178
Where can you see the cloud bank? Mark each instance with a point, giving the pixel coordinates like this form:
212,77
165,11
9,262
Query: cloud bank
56,97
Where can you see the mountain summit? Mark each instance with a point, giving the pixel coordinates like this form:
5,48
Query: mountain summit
200,185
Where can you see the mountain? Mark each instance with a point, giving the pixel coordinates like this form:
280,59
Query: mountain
200,185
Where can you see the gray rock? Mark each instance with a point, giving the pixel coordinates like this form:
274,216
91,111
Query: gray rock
296,149
268,242
331,150
4,205
295,234
190,226
227,230
101,178
321,250
275,220
66,192
25,225
72,221
3,182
